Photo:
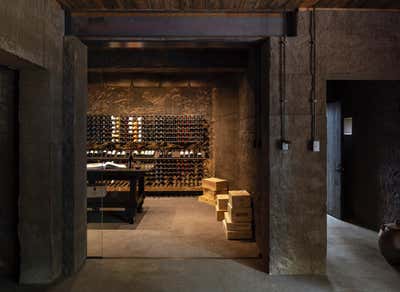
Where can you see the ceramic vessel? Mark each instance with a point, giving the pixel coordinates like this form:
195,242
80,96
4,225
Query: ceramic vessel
389,242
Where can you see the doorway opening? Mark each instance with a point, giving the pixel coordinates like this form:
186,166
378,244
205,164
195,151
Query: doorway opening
363,175
181,115
9,172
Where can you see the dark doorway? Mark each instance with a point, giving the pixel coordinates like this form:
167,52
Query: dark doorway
370,138
8,172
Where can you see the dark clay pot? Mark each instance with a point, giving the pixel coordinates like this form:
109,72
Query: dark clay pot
389,242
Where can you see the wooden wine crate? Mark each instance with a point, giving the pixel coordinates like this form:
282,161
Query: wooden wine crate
239,199
230,226
239,215
208,200
222,202
237,235
215,184
219,213
209,193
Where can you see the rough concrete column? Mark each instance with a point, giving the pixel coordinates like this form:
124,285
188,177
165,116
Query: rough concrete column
40,216
297,177
74,154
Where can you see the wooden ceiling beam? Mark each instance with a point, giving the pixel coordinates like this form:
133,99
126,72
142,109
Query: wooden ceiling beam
237,5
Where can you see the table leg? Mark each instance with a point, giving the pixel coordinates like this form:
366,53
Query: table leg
141,195
132,208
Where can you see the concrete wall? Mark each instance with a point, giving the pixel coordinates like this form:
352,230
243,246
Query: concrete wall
74,150
240,118
226,135
256,170
31,40
8,173
246,134
351,45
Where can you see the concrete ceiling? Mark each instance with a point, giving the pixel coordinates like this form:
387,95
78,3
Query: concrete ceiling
83,5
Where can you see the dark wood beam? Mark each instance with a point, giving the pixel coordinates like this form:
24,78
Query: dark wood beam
207,5
182,25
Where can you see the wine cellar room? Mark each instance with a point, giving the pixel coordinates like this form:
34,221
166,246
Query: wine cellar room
171,134
187,145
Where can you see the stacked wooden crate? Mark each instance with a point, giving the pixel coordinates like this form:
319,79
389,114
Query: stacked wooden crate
238,220
222,206
211,188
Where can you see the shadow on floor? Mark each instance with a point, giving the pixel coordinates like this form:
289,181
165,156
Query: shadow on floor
109,220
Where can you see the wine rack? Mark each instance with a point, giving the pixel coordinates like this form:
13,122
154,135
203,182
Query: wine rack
99,129
176,145
174,129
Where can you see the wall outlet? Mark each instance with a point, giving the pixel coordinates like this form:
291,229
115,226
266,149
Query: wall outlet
285,145
316,146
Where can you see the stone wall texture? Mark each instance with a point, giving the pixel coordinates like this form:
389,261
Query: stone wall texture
351,45
225,107
31,40
138,94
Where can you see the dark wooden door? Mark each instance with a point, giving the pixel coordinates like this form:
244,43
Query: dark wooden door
334,159
8,173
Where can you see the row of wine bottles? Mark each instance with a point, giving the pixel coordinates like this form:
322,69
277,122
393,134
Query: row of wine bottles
177,146
138,154
157,182
178,129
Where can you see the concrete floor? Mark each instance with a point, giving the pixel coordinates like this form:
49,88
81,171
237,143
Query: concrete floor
173,227
354,265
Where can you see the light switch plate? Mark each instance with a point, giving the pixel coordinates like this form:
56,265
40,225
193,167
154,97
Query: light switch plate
316,146
285,145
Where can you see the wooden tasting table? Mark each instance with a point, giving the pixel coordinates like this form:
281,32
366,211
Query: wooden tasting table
132,201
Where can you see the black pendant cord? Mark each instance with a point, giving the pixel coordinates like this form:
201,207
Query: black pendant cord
258,86
282,83
313,73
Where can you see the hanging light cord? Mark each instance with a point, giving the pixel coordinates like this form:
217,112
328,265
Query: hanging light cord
282,84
